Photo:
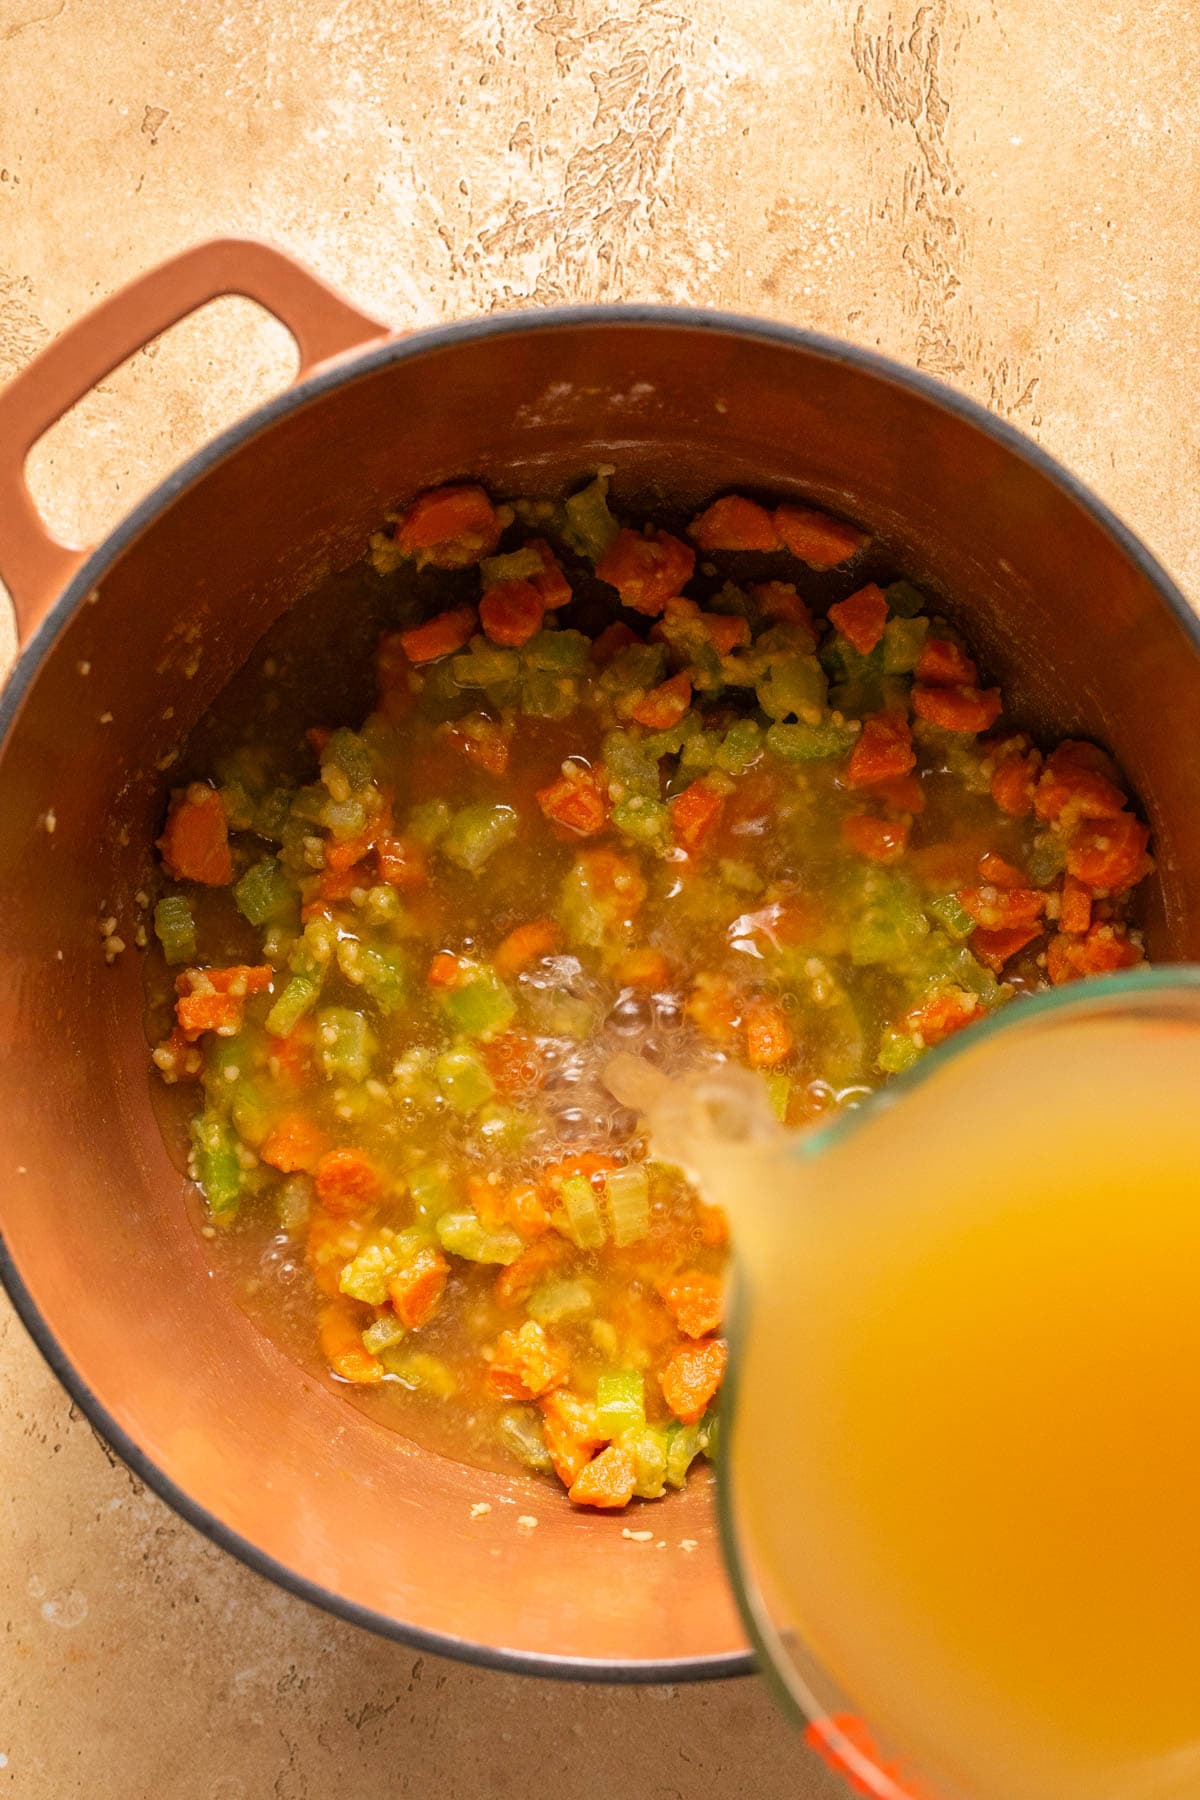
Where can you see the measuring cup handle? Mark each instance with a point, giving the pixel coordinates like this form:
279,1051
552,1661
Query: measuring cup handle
34,564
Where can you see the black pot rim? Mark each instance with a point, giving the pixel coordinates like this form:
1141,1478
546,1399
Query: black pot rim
352,367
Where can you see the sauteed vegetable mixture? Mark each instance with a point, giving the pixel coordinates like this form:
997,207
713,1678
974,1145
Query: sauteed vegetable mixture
718,827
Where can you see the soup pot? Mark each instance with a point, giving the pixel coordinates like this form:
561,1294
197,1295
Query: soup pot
125,646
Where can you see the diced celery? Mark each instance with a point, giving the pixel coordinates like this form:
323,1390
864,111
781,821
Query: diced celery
630,765
1047,859
481,1007
465,1083
903,641
346,765
429,821
225,1060
218,1172
463,1234
175,928
636,667
384,1334
795,688
956,923
627,1192
477,832
515,565
251,1117
585,1222
545,696
558,1299
645,821
905,600
503,1127
683,1447
648,1448
297,998
418,1369
620,1402
313,948
485,665
710,1430
555,1014
701,751
897,1051
294,1201
520,1431
345,1042
890,923
557,653
271,814
366,1276
779,1092
432,1194
591,526
264,892
308,803
670,742
811,743
741,746
385,975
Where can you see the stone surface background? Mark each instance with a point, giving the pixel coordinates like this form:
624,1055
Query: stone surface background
1002,192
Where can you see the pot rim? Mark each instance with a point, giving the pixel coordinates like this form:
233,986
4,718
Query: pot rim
347,368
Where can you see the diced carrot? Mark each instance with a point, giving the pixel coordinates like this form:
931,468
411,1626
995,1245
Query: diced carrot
341,1342
695,1301
726,632
712,1225
571,1431
607,1481
1013,781
769,1037
780,603
880,840
817,539
195,839
290,1058
526,1364
345,853
642,968
903,793
295,1142
576,801
332,888
514,1284
1073,784
692,1377
861,617
995,948
511,612
483,742
1109,855
1000,908
883,750
612,640
177,1059
552,585
525,945
348,1183
943,664
416,1290
445,971
734,523
449,526
646,570
664,705
514,1062
713,1007
440,636
1104,949
487,1198
213,999
525,1210
593,1165
936,1018
967,709
1075,907
615,879
998,872
198,1013
401,862
329,1244
695,814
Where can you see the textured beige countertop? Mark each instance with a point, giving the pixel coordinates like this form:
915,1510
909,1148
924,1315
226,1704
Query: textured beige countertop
1002,192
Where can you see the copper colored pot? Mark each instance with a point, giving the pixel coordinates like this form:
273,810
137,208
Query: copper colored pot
1067,610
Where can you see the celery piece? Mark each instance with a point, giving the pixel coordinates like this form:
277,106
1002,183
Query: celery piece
515,565
465,1083
366,1276
700,752
903,641
648,1448
741,747
503,1127
345,1043
546,696
481,1007
1047,859
175,928
462,1234
585,1221
215,1165
297,998
710,1430
271,814
620,1402
634,669
897,1051
683,1447
294,1201
555,1014
779,1092
658,744
520,1431
627,1192
226,1059
264,893
418,1369
645,821
346,764
429,821
890,925
477,832
905,600
956,923
485,665
432,1194
811,743
795,688
251,1117
557,1299
385,975
384,1334
557,653
591,526
630,765
308,803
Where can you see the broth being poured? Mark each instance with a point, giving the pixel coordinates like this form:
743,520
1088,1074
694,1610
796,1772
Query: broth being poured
965,1450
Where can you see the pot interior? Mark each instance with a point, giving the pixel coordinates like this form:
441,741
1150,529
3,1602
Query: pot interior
1072,623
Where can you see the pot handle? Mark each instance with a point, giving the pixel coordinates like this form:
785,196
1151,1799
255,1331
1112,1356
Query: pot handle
34,564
